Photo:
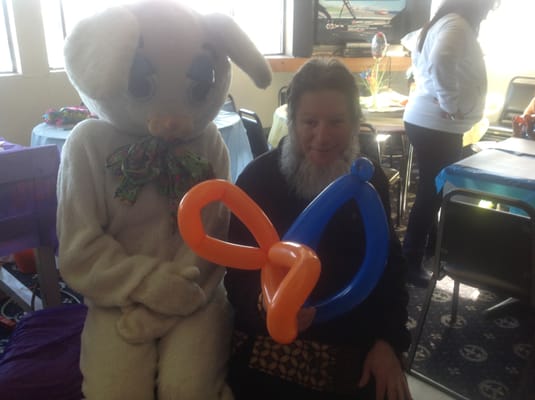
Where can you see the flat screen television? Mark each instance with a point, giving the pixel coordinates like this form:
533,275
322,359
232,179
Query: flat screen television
341,22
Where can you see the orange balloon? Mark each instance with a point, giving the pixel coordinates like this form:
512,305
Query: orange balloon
289,270
219,251
287,292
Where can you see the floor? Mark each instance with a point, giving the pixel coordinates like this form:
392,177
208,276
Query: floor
422,391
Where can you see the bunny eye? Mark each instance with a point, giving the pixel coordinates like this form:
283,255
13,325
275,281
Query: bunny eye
142,80
199,91
202,75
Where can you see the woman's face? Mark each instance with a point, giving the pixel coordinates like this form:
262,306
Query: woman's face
323,126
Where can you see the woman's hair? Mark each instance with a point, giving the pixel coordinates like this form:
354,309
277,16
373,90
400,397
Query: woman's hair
474,11
323,74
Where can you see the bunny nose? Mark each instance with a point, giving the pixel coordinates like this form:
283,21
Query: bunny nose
170,127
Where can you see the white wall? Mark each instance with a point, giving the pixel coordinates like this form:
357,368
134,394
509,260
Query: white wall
24,98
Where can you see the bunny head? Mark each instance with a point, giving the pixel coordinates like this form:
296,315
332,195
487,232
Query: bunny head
157,67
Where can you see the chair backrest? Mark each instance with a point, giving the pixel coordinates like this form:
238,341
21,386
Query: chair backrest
487,247
369,146
229,104
520,91
28,200
283,95
255,131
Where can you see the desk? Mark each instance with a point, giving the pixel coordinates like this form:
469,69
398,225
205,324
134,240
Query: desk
28,218
507,169
229,124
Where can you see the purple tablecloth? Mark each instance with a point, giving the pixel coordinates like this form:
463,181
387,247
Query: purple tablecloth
8,146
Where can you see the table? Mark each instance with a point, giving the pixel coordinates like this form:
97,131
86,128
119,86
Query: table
391,124
28,218
278,128
228,122
507,169
234,134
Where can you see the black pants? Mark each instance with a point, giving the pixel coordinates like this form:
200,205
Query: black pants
433,151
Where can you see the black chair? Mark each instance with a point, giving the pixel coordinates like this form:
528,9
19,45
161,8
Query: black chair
490,248
255,131
28,221
371,147
229,104
520,90
283,95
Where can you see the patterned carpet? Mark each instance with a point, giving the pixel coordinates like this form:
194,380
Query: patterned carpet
480,357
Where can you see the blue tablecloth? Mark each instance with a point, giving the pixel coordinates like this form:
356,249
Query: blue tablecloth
234,134
506,170
228,122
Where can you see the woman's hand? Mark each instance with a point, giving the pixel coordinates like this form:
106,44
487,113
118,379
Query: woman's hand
390,380
530,109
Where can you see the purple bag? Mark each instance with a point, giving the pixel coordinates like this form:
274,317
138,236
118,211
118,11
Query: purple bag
41,359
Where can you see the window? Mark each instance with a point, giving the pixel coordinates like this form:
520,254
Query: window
263,21
8,60
505,35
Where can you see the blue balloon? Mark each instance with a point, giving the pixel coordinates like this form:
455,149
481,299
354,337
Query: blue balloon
308,227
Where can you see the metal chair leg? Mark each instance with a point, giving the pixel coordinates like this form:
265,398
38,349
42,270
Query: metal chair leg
455,302
400,202
407,180
507,301
421,320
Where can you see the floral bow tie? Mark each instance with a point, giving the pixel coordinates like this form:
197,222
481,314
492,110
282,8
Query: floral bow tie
154,160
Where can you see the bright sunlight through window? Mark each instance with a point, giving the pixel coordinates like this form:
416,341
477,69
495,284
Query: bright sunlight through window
263,21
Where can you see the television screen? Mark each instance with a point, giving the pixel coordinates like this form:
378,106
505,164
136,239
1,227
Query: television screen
339,22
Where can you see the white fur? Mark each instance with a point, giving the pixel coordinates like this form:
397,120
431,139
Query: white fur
149,296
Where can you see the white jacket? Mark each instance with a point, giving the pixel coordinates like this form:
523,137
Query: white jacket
450,77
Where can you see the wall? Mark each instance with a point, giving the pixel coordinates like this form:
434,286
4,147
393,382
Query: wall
24,98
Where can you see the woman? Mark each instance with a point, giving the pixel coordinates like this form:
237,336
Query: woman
449,98
357,354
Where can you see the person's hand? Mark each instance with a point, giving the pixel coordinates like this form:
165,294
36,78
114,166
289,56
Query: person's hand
446,115
518,123
530,109
390,380
305,316
169,291
452,117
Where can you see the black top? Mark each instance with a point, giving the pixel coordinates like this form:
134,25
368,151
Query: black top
341,250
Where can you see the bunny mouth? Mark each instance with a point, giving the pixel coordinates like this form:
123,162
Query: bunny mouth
169,128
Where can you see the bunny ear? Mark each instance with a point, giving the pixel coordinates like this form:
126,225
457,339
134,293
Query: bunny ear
99,52
227,35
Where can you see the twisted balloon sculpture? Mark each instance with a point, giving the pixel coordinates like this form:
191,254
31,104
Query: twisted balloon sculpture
290,267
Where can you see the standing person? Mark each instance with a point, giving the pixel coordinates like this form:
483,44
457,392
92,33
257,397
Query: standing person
449,98
359,353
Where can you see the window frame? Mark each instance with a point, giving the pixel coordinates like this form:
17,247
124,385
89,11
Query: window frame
56,66
10,38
